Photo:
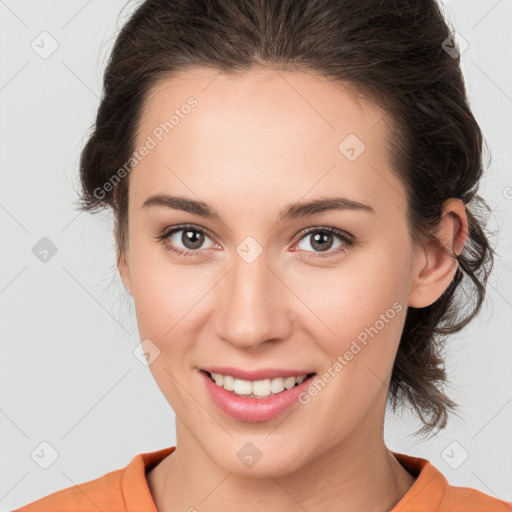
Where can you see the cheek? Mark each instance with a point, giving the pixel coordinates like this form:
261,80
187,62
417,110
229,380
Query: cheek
166,295
350,298
167,300
367,321
359,316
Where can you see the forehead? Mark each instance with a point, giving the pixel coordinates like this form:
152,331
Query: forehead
304,100
263,130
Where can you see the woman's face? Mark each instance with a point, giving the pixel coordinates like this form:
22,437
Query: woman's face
265,286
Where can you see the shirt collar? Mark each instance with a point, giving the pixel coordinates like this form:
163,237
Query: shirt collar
425,494
134,485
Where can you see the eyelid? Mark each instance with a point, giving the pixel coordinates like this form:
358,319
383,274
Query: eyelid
183,227
329,229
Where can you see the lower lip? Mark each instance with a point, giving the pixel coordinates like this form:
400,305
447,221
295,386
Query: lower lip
253,410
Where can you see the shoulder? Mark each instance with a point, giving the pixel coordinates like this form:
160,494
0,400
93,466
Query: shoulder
471,500
117,491
103,493
432,492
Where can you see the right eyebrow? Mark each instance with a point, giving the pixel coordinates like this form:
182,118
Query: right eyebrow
182,203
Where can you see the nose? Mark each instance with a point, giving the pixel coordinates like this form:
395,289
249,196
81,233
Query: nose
252,305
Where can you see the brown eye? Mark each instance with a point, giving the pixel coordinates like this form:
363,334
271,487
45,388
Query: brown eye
192,239
324,239
184,240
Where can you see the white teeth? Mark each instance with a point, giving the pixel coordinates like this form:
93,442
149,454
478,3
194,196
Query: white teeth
289,382
227,382
242,387
258,388
261,387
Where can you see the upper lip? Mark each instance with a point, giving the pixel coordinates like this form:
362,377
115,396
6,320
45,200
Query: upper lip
261,374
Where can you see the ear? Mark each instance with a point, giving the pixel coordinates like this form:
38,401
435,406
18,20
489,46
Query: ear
124,271
435,269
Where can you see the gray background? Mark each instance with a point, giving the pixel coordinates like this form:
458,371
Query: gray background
68,374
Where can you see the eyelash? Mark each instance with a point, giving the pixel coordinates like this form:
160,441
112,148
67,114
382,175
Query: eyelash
348,240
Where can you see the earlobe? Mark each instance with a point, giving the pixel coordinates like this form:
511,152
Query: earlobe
435,272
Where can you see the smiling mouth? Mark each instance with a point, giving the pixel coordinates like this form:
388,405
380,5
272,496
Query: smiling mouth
308,375
264,388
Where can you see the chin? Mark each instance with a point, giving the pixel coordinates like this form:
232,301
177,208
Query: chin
256,457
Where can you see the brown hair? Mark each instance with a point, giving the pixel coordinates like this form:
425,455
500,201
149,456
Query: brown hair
391,51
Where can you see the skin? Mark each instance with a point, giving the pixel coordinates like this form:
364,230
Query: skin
255,144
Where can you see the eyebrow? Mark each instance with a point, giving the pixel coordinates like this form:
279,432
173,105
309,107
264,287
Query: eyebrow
294,211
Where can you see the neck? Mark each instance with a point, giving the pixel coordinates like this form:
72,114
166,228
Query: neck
362,474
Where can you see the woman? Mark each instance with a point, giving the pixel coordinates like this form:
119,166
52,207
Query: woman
234,139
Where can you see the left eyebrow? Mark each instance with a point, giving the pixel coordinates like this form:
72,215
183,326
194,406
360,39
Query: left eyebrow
294,211
304,209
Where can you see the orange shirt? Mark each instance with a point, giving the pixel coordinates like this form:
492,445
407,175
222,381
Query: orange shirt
127,490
